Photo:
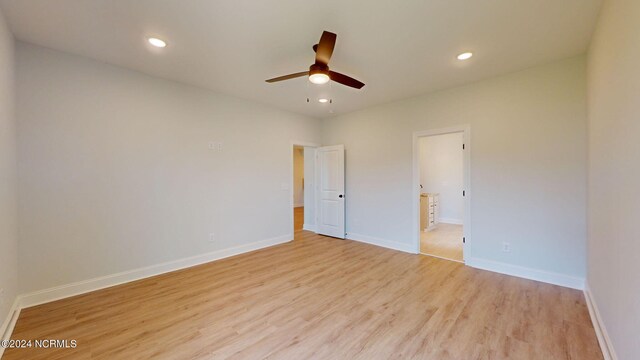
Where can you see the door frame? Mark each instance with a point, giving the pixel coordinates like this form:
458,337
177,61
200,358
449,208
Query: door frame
466,131
292,145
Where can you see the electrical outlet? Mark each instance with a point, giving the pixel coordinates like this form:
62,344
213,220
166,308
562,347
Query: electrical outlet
215,146
212,237
506,247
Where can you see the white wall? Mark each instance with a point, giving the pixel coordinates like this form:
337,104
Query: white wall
614,173
528,165
115,171
298,176
8,175
309,187
441,171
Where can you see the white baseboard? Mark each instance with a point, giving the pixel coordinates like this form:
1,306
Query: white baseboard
390,244
451,221
601,331
527,273
310,227
9,323
81,287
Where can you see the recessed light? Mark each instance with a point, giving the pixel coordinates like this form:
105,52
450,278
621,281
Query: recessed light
465,56
323,100
157,42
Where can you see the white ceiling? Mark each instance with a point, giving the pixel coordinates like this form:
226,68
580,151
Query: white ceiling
398,49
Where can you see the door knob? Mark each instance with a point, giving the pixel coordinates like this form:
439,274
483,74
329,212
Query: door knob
340,196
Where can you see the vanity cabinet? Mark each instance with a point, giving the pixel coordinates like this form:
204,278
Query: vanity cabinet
429,211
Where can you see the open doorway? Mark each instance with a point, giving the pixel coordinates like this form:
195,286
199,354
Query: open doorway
441,173
303,176
298,187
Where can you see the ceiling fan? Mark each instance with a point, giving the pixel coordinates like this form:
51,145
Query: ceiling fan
319,72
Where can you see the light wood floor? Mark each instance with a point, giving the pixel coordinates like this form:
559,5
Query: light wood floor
318,298
444,241
298,218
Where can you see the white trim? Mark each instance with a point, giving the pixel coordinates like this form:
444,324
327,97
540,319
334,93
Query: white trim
606,346
389,244
7,320
10,322
527,273
466,131
81,287
309,227
451,221
304,143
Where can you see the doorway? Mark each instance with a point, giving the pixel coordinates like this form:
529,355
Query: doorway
298,188
303,175
442,197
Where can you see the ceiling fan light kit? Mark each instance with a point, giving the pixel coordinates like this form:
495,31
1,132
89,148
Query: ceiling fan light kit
319,72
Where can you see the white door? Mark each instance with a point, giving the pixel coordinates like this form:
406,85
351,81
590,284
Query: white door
331,191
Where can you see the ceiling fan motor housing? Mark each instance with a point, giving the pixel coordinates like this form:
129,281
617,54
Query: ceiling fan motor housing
319,69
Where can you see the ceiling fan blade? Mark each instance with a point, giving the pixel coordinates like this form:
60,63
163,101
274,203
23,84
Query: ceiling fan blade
325,47
287,77
345,80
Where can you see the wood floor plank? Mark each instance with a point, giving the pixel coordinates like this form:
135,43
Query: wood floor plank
318,298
